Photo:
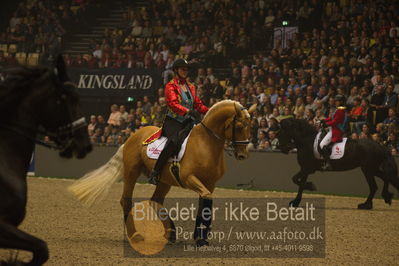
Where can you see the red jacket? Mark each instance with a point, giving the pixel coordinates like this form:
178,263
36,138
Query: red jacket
173,98
338,118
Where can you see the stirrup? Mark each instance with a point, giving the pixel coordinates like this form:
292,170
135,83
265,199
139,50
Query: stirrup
154,177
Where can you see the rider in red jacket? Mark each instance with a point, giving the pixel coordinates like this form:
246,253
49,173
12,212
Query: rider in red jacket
184,108
337,123
173,98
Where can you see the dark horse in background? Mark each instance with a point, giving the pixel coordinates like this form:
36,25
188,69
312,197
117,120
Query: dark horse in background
374,160
33,101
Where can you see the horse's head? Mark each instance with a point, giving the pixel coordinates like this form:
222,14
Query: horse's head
285,135
60,114
238,132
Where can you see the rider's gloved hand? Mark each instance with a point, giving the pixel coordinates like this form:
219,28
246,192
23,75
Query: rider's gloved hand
194,114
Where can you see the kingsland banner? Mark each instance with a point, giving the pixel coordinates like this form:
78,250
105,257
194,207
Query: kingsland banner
116,82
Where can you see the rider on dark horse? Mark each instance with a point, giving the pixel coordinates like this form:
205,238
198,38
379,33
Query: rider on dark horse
337,123
184,108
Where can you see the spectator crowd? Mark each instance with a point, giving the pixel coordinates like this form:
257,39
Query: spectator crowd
39,26
208,32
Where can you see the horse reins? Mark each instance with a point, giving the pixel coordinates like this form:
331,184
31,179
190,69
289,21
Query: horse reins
211,131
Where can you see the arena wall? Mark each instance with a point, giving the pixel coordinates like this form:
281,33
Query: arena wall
262,171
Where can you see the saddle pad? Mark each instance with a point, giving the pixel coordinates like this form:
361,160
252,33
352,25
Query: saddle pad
155,148
338,149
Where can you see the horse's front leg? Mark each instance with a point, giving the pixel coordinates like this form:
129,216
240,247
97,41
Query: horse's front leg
203,221
301,180
13,238
297,179
204,214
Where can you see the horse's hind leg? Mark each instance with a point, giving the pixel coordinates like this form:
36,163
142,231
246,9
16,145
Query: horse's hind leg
386,195
368,204
395,182
132,170
159,196
13,238
387,173
129,181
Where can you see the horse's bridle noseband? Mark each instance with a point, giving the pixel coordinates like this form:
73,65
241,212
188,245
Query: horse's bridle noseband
233,142
63,134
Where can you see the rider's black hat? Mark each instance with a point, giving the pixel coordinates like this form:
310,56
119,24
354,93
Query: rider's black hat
180,63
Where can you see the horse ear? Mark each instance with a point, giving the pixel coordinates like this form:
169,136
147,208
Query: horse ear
252,108
60,69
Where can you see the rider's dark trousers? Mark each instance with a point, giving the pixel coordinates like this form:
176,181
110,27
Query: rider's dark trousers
176,132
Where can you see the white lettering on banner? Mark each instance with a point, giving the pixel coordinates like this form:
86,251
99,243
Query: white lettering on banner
82,81
107,82
97,80
121,86
142,82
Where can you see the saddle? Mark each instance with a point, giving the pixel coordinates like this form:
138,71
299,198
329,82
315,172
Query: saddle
156,143
338,148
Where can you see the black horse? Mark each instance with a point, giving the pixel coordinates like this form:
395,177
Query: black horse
373,159
33,101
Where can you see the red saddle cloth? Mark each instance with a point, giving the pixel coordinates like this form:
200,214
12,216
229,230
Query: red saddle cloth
156,135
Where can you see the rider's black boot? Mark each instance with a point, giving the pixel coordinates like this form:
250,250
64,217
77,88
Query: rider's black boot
167,152
326,152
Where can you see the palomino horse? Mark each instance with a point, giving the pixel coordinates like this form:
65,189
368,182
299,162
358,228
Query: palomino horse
201,167
33,100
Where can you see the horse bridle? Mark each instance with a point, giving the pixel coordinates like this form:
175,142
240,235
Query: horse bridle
233,143
61,135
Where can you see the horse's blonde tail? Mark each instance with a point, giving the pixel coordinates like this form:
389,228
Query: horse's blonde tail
94,186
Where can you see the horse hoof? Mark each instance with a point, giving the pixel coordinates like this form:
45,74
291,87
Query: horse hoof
365,206
136,237
388,198
202,242
294,203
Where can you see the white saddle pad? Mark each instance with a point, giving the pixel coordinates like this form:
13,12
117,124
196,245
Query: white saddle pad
338,149
155,148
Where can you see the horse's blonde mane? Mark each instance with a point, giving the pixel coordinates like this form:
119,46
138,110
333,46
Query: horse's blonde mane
223,104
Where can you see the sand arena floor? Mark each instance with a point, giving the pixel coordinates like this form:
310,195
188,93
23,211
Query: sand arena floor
81,236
